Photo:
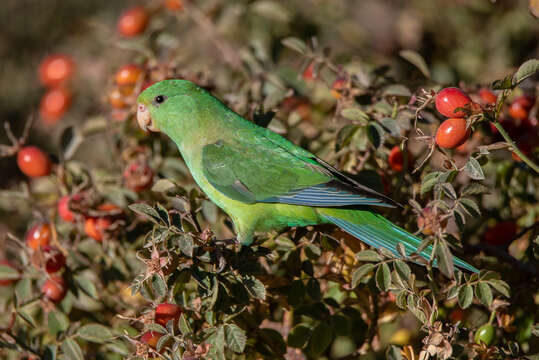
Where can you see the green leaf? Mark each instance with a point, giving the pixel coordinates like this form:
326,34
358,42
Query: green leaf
255,287
295,44
87,286
156,328
474,189
321,338
147,211
184,326
470,206
500,286
355,114
235,338
26,315
383,277
396,90
375,133
23,290
417,60
186,244
360,273
429,181
163,185
401,299
8,273
393,353
50,352
390,125
57,322
483,293
368,255
402,269
473,169
72,350
162,342
465,296
445,259
299,336
344,136
527,69
158,285
96,333
505,83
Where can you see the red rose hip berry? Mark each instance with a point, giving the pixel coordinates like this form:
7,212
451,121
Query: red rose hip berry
63,209
55,69
500,234
396,159
128,75
54,289
452,133
151,338
39,236
520,107
133,21
33,162
55,260
96,227
54,104
166,312
487,96
450,99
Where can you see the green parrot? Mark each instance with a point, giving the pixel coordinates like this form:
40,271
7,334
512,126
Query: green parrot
261,180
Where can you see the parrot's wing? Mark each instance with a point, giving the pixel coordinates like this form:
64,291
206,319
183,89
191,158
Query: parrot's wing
260,170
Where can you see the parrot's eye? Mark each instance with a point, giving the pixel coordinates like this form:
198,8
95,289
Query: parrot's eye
159,99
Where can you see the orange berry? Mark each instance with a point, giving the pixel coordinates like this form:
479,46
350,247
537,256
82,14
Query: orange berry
452,133
33,162
520,107
487,96
166,312
55,69
54,104
133,21
174,5
128,74
116,99
54,289
151,338
96,227
448,100
38,236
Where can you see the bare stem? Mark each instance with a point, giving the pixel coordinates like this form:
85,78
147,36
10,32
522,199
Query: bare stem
514,147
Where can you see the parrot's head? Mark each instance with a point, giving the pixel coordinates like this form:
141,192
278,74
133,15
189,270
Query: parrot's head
159,101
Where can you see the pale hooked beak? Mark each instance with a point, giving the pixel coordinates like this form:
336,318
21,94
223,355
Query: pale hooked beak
144,118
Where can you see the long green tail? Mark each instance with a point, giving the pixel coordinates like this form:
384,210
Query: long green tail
378,232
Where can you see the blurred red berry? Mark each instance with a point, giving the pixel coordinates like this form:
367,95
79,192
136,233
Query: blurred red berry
116,99
128,75
133,21
487,96
63,209
308,73
452,133
166,312
6,282
55,69
520,107
54,289
54,104
396,159
337,87
146,85
526,143
33,162
39,236
151,338
138,176
457,315
96,227
174,5
55,259
501,233
450,99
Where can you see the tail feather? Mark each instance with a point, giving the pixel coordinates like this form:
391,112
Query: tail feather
378,232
